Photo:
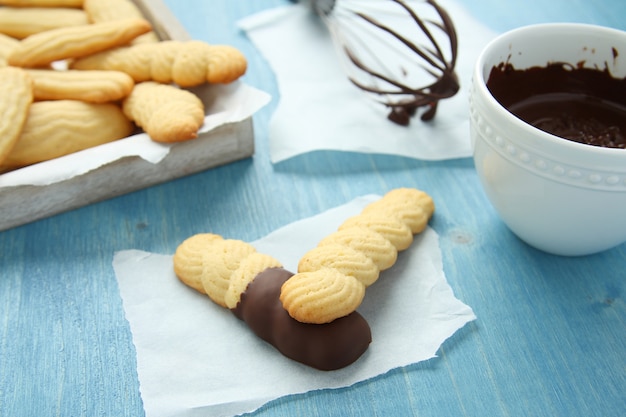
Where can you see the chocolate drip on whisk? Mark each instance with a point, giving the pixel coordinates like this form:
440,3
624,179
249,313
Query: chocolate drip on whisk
408,99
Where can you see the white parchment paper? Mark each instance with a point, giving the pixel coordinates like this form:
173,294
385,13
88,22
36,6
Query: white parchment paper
195,358
319,109
228,103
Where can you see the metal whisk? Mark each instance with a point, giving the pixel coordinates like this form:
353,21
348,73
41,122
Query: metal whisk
394,52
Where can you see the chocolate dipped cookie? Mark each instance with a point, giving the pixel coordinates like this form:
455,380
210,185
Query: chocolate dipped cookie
309,316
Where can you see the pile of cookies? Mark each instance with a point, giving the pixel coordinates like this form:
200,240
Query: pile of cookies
309,316
75,74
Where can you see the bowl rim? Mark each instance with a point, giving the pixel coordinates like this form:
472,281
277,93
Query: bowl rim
554,140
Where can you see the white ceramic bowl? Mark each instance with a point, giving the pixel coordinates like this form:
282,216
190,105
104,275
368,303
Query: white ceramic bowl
557,195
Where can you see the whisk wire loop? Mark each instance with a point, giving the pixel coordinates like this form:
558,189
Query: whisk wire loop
381,40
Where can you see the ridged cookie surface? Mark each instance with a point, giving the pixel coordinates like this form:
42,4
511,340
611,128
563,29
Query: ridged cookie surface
89,86
21,22
107,10
61,127
321,296
371,243
188,259
220,260
185,63
391,228
7,44
43,3
414,207
251,266
344,259
75,41
15,101
166,113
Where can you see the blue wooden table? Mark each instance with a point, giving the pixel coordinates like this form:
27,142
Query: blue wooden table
550,338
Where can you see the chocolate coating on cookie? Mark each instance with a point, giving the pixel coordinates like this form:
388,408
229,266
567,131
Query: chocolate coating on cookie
323,346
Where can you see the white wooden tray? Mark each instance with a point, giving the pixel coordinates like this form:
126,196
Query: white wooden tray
21,204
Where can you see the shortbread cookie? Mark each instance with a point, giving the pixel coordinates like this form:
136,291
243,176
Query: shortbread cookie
43,3
21,22
371,243
185,63
321,296
414,207
344,259
220,261
76,41
164,112
60,127
251,266
7,44
90,86
391,228
188,259
107,10
15,101
381,230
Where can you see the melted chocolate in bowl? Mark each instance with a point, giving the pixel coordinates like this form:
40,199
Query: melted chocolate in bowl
580,104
